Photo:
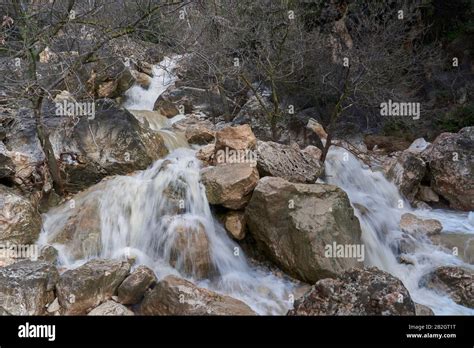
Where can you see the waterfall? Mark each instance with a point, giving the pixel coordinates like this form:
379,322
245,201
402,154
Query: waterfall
161,218
380,216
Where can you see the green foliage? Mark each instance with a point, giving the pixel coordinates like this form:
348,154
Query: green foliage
457,119
398,127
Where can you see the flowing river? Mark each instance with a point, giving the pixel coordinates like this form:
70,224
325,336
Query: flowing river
141,214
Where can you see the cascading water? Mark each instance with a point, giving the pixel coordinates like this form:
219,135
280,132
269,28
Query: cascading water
381,233
161,218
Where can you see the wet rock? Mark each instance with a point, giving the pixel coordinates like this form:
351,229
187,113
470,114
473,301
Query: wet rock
190,251
456,282
20,222
87,286
426,194
235,224
413,225
367,291
450,159
105,78
458,244
133,288
230,185
27,287
142,79
166,108
206,154
80,235
49,253
297,225
112,143
406,171
199,134
176,296
111,308
287,162
422,310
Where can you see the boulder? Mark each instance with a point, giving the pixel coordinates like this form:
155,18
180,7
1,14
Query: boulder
112,143
111,308
191,99
426,194
199,134
166,108
238,138
418,146
413,225
176,296
456,282
406,171
133,288
313,152
105,78
80,234
229,185
49,254
190,250
301,227
206,154
235,224
20,222
142,79
27,287
367,291
451,164
287,162
85,287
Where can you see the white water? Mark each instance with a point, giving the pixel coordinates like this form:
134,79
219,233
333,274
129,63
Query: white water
380,228
143,216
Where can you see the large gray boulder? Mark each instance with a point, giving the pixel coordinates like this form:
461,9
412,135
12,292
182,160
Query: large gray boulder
176,296
406,171
302,228
367,291
456,282
133,288
112,143
27,287
20,222
451,163
85,287
287,162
